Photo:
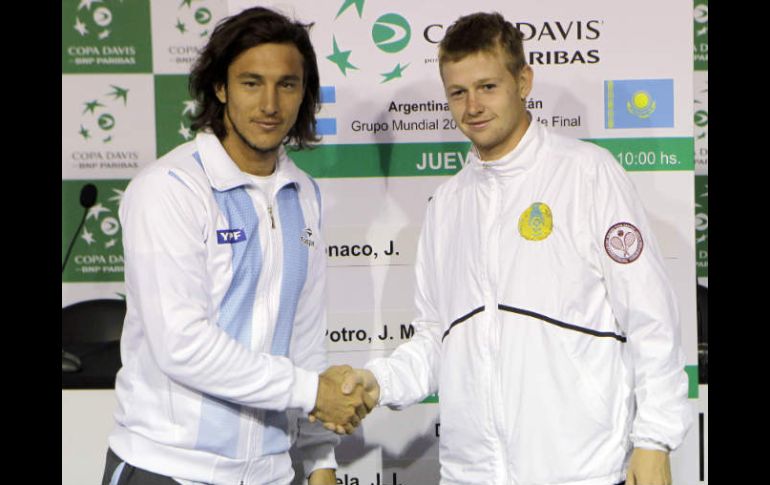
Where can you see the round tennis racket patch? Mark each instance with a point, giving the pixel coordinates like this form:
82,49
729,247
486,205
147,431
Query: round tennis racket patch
623,243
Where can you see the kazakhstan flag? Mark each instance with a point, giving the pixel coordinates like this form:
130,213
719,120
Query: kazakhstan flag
639,103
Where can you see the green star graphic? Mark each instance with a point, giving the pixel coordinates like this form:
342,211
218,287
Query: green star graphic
358,3
84,133
119,93
341,58
92,105
180,26
396,72
186,2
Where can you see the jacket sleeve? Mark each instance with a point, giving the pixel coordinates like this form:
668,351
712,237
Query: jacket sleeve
165,227
645,308
410,373
308,351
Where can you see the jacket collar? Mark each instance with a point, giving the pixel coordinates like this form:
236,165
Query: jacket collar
224,174
518,160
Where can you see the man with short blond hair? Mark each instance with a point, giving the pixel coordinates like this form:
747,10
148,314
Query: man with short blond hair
546,321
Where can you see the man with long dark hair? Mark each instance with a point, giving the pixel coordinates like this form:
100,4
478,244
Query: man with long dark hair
223,343
546,321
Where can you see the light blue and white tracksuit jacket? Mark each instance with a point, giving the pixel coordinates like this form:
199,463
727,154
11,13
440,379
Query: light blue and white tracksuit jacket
552,339
224,334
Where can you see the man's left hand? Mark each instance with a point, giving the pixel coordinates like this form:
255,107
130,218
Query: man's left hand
322,476
648,467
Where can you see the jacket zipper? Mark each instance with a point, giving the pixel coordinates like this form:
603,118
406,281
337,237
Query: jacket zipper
493,279
270,211
270,259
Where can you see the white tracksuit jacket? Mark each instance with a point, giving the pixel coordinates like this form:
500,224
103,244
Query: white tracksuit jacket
226,321
553,352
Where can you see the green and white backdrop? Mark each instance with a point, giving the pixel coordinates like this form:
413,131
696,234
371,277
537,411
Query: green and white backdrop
701,157
620,76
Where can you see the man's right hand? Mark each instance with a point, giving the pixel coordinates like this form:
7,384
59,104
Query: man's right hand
341,411
364,378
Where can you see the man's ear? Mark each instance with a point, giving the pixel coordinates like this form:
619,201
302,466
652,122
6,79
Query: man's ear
221,91
526,76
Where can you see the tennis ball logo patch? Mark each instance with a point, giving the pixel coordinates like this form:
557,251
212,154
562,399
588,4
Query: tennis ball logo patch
536,223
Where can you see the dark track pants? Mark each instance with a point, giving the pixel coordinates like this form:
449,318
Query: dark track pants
118,472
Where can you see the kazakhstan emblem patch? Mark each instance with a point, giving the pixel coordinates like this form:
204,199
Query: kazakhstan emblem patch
536,223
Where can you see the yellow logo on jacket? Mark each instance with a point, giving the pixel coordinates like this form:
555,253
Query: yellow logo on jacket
536,223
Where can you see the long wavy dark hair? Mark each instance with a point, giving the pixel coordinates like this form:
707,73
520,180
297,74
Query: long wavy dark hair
238,33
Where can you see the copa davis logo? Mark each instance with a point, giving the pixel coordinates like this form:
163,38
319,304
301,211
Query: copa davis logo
98,254
701,114
701,31
189,109
391,33
544,33
97,19
92,32
192,23
195,22
174,112
701,217
97,120
701,223
100,128
701,121
103,231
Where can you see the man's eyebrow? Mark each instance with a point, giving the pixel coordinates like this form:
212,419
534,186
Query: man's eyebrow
249,75
290,77
254,75
486,80
477,82
455,86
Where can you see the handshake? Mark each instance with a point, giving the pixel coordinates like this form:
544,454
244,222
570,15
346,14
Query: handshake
345,397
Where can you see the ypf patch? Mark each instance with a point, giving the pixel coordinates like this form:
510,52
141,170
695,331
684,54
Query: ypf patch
230,236
536,223
623,243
